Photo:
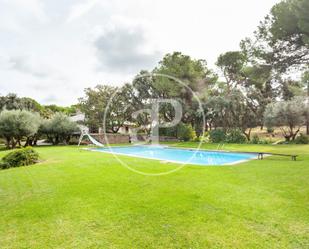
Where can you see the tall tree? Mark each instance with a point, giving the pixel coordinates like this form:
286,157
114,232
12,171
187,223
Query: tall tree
94,104
282,39
232,64
305,80
194,74
112,102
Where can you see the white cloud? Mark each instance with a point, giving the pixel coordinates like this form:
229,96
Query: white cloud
123,50
51,50
21,64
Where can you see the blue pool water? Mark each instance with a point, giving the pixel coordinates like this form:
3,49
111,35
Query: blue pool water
180,155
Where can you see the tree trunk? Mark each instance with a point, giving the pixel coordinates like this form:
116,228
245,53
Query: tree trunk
35,141
68,139
307,116
14,143
206,126
287,138
295,134
307,124
27,142
248,135
8,141
18,142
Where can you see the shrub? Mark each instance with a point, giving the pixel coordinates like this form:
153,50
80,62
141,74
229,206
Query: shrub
168,131
204,138
197,139
235,136
255,139
20,157
185,132
4,165
217,136
265,141
270,130
302,139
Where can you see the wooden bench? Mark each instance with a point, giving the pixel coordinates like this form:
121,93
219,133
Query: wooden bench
261,155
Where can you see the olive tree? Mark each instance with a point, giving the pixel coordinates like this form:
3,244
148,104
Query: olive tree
288,115
18,124
58,129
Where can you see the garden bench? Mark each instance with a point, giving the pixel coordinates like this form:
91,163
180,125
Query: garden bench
261,155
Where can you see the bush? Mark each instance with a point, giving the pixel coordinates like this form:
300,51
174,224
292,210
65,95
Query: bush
204,138
265,141
4,165
185,132
255,139
217,136
302,139
197,139
235,136
20,157
168,131
270,130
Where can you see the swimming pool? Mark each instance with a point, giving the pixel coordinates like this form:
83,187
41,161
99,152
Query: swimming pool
177,155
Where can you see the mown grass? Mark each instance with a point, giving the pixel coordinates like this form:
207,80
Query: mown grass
81,199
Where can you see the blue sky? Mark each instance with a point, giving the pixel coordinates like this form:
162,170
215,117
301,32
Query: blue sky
51,50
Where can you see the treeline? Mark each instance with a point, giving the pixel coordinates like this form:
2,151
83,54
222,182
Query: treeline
24,119
13,102
19,125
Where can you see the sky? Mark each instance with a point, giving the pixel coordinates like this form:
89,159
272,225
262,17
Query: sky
52,50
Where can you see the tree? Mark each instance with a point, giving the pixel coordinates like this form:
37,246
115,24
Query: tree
305,81
143,90
49,110
10,102
94,104
260,89
232,64
113,102
194,74
119,109
288,115
17,124
233,111
58,129
291,88
13,102
282,39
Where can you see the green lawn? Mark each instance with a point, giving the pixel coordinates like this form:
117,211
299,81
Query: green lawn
81,199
